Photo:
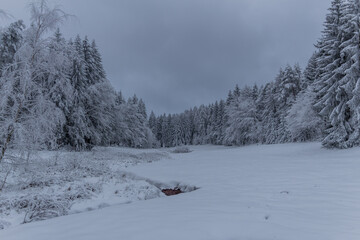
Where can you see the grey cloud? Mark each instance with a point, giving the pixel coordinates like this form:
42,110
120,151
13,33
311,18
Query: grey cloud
177,54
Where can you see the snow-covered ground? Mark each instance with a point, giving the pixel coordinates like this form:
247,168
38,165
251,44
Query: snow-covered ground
52,184
291,191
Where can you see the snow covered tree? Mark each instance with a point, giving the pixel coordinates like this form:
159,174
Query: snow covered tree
176,130
336,86
202,123
323,100
130,127
97,67
10,41
243,123
288,84
142,108
311,71
346,114
329,94
119,99
99,112
229,98
90,117
29,119
305,124
152,122
76,127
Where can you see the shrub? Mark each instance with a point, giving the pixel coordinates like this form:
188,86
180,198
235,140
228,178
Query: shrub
182,149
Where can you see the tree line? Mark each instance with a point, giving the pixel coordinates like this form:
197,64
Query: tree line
54,92
320,103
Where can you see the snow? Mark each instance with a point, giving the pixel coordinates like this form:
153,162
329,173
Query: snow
52,184
291,191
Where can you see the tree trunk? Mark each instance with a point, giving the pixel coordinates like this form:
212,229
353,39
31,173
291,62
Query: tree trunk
10,133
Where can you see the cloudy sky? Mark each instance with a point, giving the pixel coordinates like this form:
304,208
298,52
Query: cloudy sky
179,53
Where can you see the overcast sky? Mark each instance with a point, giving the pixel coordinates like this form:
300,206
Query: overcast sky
176,54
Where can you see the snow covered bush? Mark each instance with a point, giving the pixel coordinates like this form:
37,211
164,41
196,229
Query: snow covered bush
43,207
182,149
304,123
51,184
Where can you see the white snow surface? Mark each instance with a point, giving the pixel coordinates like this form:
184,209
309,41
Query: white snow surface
289,191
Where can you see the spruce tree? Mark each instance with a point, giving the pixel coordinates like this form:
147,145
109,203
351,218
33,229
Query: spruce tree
10,41
327,86
311,71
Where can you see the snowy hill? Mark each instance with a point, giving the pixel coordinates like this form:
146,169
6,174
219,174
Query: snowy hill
292,191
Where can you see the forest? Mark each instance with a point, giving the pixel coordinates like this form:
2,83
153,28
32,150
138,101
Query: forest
54,93
253,165
319,103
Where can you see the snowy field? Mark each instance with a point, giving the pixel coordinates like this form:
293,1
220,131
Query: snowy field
291,191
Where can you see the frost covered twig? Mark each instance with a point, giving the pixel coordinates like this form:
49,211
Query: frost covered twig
4,15
23,105
5,178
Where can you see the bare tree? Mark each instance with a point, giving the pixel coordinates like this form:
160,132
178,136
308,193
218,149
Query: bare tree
4,15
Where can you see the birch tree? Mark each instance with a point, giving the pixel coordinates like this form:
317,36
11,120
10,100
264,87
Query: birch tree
27,115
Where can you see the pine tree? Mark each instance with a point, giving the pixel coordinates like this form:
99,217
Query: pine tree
270,116
119,99
159,130
29,119
229,98
214,124
337,100
142,108
283,92
236,92
288,82
176,130
76,129
98,68
10,42
130,127
243,123
152,122
311,71
221,122
327,86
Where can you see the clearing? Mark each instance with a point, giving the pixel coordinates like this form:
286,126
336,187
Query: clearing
289,191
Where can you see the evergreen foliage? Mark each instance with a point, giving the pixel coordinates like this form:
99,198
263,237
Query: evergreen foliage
54,92
320,103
